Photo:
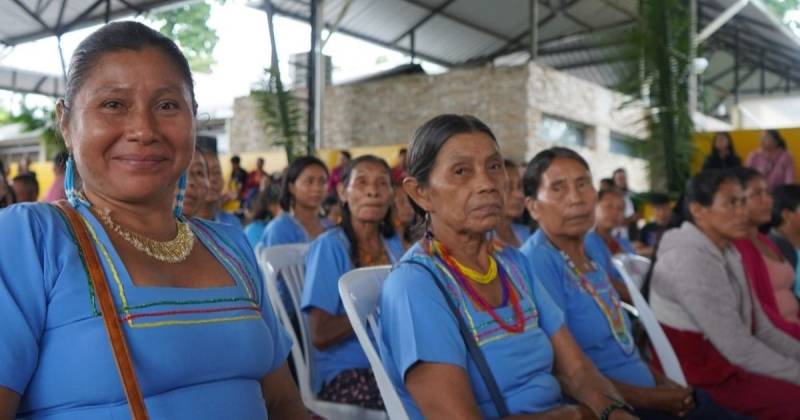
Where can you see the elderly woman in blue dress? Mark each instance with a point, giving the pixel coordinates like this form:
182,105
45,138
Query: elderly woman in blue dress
365,237
457,182
575,271
202,338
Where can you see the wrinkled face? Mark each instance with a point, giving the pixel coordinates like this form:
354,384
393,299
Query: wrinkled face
564,205
515,200
759,202
403,212
308,189
131,126
368,192
196,185
609,211
215,181
726,217
466,189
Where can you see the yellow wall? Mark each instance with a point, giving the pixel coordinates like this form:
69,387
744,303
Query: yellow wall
744,142
44,174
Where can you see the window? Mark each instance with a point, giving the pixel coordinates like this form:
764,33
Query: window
621,144
561,131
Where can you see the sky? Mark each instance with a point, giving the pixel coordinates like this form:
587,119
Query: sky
242,53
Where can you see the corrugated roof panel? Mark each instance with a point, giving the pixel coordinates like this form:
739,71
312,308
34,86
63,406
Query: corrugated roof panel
455,43
385,20
597,13
508,18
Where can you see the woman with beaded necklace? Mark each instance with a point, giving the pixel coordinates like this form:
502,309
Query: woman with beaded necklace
575,271
365,237
458,279
188,295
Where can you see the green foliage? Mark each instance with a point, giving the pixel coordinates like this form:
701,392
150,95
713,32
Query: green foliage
657,64
37,118
282,114
186,25
781,8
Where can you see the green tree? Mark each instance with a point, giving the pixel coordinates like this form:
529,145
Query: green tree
186,25
37,118
783,9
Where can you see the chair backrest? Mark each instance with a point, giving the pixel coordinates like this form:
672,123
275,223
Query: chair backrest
286,264
664,351
636,266
360,290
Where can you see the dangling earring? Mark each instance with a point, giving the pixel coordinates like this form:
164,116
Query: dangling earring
178,211
428,231
69,182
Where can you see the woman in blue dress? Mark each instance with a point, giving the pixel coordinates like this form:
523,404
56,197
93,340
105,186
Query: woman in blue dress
575,271
302,193
365,237
204,342
508,231
457,183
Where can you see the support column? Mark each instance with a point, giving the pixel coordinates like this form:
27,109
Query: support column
534,25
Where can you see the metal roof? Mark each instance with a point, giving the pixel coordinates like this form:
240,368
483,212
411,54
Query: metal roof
25,81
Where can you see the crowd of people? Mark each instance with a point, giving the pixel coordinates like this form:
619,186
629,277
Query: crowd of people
503,299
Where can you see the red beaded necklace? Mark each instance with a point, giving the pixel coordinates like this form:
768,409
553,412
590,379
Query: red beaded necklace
436,249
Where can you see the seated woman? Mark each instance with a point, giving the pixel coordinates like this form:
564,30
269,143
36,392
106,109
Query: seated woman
212,207
364,238
403,217
771,276
302,192
575,271
457,184
508,231
187,294
786,227
196,184
261,210
700,294
609,214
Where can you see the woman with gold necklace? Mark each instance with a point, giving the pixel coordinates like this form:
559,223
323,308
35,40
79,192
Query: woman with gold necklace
365,237
466,331
574,270
182,299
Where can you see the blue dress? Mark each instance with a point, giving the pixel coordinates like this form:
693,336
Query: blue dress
327,260
198,353
418,326
253,232
616,356
227,219
522,232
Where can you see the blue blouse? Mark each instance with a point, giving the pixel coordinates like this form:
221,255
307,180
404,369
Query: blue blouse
418,326
198,353
228,219
618,360
327,260
253,232
522,232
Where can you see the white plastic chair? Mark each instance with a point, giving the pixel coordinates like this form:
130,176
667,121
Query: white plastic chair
360,290
663,348
286,263
636,266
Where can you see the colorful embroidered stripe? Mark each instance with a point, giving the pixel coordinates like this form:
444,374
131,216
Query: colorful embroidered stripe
232,263
189,312
194,321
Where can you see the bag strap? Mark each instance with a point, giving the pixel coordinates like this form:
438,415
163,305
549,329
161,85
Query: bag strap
122,355
472,346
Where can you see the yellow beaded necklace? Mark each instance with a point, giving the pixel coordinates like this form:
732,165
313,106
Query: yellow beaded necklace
469,273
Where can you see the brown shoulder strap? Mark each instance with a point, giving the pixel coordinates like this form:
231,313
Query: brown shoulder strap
97,276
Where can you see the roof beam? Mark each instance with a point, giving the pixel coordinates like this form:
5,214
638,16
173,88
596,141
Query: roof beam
422,21
31,14
720,20
592,62
82,16
457,19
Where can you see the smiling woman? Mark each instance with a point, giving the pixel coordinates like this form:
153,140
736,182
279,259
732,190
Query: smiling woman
179,286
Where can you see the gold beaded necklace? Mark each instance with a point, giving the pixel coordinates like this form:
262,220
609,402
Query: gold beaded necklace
173,251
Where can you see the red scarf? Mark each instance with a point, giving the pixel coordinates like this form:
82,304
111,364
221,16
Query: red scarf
757,275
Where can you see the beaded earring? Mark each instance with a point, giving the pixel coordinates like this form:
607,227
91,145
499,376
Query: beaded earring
178,210
69,182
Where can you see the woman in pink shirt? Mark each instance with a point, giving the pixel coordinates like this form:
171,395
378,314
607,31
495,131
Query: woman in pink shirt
773,160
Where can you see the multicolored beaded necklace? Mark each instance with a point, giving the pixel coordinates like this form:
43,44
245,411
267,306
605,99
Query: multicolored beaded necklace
613,314
437,250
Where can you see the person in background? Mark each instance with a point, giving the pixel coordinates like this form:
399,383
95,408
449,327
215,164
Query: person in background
196,184
699,293
26,187
773,160
6,192
211,209
507,231
238,177
335,177
399,169
403,217
577,276
254,179
652,231
24,167
457,184
364,238
628,229
723,155
260,211
331,210
609,215
771,276
786,227
56,190
606,183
